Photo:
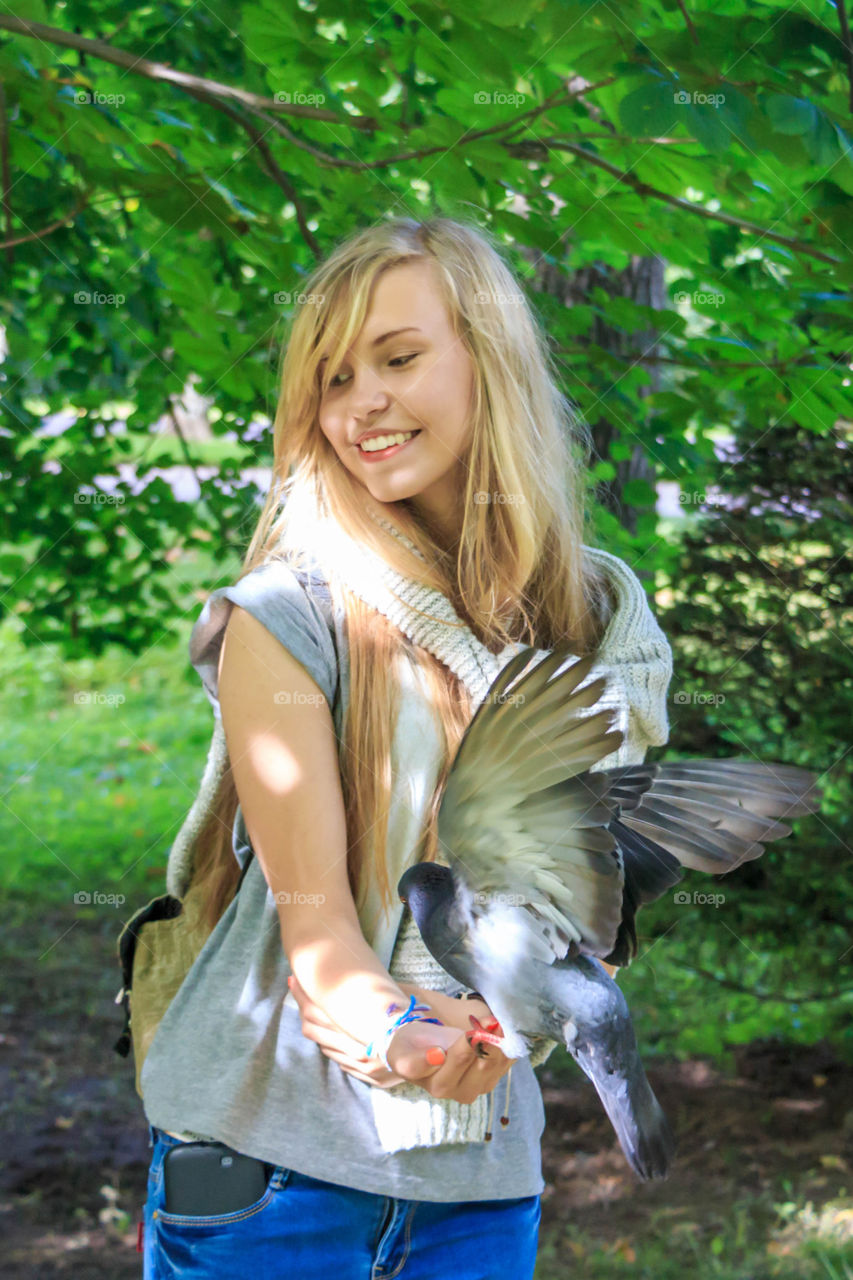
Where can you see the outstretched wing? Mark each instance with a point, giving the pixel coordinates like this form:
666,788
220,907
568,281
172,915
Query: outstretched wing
522,824
707,815
545,854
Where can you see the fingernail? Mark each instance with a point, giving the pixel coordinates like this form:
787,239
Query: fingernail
290,981
435,1056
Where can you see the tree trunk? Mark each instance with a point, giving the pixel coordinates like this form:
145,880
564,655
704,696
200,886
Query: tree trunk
642,282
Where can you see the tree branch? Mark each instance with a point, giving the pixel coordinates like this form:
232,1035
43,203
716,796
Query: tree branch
159,71
773,996
45,231
687,19
686,206
847,43
213,90
277,174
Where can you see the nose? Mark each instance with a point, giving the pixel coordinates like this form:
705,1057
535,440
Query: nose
367,392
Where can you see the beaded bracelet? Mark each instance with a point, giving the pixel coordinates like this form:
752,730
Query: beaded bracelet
378,1046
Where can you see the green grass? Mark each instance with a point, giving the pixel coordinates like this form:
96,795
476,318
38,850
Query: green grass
755,1241
100,759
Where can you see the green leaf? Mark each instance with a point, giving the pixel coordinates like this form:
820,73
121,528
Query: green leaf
791,115
639,493
651,110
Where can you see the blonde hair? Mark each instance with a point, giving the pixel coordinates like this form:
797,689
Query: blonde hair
519,571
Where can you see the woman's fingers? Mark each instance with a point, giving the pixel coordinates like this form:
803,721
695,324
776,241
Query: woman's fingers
464,1075
437,1057
307,1007
379,1077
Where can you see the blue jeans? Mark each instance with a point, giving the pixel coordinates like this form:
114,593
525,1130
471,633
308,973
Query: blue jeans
311,1229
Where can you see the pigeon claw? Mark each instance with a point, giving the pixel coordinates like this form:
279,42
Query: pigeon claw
484,1033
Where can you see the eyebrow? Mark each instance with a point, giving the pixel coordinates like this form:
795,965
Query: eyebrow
377,342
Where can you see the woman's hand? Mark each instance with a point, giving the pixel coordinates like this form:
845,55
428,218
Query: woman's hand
465,1074
462,1076
337,1045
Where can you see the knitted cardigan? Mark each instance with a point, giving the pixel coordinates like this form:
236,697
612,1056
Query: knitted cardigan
636,659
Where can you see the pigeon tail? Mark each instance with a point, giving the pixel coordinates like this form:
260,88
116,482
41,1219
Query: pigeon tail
599,1035
642,1128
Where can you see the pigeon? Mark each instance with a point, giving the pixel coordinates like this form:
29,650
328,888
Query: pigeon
546,864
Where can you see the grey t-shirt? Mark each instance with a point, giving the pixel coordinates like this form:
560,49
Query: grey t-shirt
229,1061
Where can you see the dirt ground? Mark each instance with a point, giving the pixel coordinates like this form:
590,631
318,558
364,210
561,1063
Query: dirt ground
74,1146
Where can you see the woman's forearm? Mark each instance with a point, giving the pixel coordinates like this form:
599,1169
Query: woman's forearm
341,973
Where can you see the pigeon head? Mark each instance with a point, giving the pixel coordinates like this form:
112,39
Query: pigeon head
425,888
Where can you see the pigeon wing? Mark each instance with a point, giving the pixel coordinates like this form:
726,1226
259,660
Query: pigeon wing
706,815
522,824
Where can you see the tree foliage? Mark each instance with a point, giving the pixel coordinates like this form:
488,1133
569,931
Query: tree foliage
172,172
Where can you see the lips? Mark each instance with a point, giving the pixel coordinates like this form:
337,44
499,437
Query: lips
379,455
374,435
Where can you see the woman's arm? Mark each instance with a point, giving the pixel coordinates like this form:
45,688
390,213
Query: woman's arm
283,752
284,757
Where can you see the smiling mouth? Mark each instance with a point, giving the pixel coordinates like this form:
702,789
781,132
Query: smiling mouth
369,454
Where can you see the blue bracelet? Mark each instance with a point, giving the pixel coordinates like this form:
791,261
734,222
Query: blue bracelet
378,1046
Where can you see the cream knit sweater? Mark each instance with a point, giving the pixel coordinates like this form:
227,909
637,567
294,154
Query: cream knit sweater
636,660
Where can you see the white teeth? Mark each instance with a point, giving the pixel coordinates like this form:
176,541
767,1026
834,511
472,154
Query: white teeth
383,442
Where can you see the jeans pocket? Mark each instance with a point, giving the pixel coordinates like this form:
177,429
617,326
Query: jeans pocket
196,1221
277,1179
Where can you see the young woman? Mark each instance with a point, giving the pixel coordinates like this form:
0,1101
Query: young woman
425,521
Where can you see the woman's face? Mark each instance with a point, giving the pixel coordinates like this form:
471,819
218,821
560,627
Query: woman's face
419,380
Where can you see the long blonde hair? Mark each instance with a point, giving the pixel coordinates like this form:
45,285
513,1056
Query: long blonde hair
518,572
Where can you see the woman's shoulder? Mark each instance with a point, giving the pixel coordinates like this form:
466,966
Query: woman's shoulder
292,602
631,617
303,588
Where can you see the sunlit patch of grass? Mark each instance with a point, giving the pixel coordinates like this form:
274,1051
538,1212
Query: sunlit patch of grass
821,1235
100,759
758,1239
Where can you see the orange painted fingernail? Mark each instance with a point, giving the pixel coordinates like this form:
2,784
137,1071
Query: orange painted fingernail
290,981
435,1056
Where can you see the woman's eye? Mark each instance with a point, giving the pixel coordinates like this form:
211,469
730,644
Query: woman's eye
398,362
